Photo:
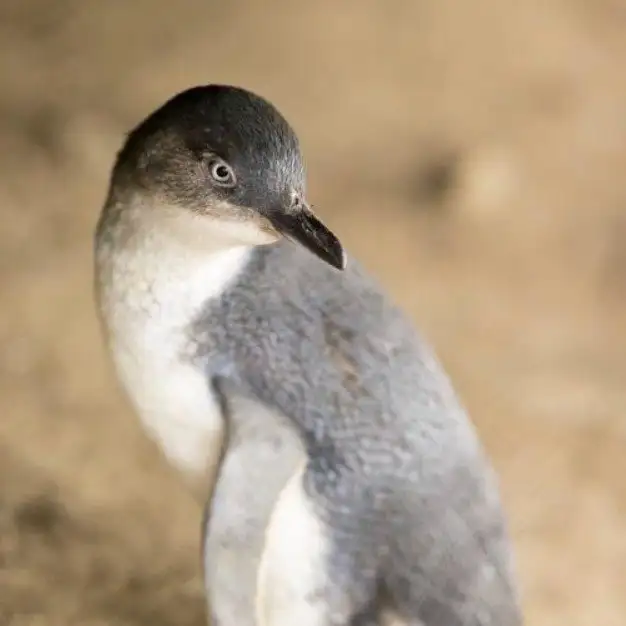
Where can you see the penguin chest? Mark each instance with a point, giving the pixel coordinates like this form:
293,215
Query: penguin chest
174,401
149,297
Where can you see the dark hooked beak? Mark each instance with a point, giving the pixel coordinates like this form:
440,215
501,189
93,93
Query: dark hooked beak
301,225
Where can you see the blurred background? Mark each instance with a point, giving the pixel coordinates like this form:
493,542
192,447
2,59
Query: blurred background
472,154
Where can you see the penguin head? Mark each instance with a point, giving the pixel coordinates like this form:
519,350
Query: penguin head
223,157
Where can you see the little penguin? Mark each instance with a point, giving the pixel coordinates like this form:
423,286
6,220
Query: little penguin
345,484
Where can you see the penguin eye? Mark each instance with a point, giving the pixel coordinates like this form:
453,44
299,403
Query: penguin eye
222,173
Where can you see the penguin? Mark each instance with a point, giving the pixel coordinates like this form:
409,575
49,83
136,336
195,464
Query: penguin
345,484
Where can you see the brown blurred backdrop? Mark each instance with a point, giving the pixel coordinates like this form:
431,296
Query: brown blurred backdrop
473,154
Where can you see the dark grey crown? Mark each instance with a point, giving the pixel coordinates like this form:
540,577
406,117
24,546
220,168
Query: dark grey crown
166,152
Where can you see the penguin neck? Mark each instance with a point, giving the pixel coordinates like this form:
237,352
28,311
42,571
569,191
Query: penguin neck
151,261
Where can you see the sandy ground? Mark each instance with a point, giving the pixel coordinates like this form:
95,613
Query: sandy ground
472,154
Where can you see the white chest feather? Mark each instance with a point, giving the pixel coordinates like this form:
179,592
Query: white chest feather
149,296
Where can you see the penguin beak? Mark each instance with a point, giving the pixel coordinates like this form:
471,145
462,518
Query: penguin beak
303,227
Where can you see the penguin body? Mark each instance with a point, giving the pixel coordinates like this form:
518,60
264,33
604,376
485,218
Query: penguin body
346,482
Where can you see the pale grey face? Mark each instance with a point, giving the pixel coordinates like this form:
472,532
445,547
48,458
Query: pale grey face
223,152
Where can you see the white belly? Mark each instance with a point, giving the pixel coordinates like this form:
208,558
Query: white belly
149,296
177,408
